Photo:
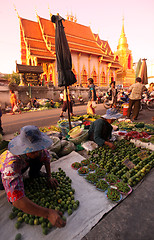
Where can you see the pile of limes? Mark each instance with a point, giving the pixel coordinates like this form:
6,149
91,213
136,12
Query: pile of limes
39,192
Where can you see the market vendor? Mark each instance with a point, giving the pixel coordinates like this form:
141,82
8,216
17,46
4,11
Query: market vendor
28,150
100,130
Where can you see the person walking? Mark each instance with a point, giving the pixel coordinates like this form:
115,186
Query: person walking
65,105
92,97
13,100
135,91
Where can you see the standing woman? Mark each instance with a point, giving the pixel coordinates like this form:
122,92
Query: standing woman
92,97
13,100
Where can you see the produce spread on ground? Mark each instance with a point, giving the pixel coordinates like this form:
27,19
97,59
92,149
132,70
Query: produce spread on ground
114,172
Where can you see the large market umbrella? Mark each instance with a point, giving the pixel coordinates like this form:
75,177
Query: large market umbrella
63,55
138,68
141,71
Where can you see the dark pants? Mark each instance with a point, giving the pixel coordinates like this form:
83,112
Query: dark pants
65,106
136,109
1,129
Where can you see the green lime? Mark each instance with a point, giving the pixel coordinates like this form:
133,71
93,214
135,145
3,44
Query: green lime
17,225
69,211
20,219
75,206
18,236
43,224
12,215
64,218
41,219
49,225
25,215
36,221
26,220
31,221
20,214
45,231
77,202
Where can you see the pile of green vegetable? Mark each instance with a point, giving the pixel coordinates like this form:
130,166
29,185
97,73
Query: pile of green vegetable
38,191
113,161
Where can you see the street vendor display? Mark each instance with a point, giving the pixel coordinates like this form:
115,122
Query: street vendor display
28,150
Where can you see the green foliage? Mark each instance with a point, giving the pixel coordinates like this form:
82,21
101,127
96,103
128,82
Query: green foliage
13,78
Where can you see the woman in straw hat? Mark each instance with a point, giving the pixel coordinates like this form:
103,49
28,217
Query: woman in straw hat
28,150
100,130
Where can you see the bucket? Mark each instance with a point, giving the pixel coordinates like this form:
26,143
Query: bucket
125,109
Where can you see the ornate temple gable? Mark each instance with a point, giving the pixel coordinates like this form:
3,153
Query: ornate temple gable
80,38
47,34
108,56
33,38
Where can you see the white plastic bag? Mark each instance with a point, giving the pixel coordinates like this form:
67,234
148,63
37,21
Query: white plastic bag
15,108
89,145
94,105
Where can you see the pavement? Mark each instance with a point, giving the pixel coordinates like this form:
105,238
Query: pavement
132,218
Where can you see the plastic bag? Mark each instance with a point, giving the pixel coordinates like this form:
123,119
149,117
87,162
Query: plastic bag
68,147
90,109
15,108
89,145
94,105
56,145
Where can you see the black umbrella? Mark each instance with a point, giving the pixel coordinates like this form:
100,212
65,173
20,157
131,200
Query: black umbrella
63,55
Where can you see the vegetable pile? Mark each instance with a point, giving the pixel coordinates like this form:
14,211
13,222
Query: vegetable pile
113,194
61,199
115,161
102,185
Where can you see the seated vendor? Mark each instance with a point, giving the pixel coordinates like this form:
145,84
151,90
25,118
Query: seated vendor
100,130
28,150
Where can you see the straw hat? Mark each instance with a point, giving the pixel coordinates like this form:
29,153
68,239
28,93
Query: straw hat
111,113
29,140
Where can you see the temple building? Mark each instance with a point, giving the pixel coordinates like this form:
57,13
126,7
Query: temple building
125,75
91,56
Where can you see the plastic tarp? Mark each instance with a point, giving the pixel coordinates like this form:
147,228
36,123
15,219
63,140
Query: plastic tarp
93,205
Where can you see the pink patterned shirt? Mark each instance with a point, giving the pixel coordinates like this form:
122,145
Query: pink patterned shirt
11,167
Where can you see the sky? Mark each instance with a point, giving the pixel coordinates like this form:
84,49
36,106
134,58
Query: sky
104,17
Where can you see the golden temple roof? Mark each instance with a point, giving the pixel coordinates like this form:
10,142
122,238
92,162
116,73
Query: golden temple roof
122,40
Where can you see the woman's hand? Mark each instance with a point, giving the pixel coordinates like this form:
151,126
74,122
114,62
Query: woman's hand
29,207
55,218
53,183
111,145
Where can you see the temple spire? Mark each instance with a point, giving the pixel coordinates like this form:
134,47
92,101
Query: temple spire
16,11
122,40
123,31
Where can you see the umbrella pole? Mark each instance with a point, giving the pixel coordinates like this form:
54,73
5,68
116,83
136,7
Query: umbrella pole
68,107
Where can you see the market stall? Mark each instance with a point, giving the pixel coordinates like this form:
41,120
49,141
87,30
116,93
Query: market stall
96,178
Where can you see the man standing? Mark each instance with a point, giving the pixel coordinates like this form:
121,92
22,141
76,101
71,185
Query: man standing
136,91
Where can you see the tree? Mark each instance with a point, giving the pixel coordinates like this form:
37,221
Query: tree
13,78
